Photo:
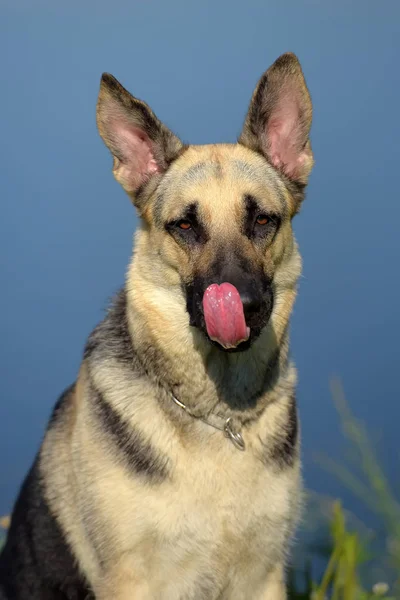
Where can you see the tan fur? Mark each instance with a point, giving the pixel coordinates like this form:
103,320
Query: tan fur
229,516
218,526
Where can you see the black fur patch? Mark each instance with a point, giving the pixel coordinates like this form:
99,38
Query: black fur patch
251,228
136,451
157,210
111,337
284,444
36,562
197,233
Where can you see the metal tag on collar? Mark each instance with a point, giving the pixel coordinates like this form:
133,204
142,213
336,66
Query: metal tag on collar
234,436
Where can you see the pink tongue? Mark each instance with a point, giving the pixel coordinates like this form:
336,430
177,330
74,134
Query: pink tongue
223,313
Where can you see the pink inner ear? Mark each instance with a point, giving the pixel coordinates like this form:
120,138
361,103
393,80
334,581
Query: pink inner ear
284,136
138,161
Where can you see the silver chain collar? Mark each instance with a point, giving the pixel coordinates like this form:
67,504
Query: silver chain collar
225,425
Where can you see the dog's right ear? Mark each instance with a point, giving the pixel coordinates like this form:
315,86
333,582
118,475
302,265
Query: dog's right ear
140,144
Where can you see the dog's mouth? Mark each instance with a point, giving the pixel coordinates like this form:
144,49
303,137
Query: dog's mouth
228,319
224,316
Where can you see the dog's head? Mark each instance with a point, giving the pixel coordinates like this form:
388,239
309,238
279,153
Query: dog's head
218,217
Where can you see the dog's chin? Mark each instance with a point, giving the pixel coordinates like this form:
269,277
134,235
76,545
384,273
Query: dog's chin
241,347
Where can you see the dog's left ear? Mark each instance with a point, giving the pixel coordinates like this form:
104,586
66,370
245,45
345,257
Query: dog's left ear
140,144
279,120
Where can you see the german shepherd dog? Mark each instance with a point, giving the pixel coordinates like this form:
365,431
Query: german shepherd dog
170,469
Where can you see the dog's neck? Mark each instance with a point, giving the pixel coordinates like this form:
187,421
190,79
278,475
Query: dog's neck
185,363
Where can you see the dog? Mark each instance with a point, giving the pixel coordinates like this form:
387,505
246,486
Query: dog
170,469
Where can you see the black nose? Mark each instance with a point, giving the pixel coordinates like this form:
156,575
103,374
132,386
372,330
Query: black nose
251,303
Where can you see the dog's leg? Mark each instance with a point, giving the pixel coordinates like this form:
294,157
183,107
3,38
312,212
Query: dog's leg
275,588
130,591
125,581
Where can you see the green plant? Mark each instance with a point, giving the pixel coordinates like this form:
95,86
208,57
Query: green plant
348,552
341,577
341,580
364,476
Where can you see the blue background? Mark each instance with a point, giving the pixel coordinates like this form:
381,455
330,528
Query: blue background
66,226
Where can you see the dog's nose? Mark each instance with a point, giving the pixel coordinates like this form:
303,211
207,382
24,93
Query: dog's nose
251,303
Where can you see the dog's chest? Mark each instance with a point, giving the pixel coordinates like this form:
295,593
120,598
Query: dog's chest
222,520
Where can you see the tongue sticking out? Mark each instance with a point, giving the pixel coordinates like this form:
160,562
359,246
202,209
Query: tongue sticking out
223,313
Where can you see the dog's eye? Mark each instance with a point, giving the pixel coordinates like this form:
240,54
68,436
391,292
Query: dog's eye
185,225
262,220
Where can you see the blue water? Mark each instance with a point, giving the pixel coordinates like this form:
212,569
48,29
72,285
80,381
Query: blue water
66,226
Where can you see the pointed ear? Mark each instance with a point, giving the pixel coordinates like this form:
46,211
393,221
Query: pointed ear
279,120
140,144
